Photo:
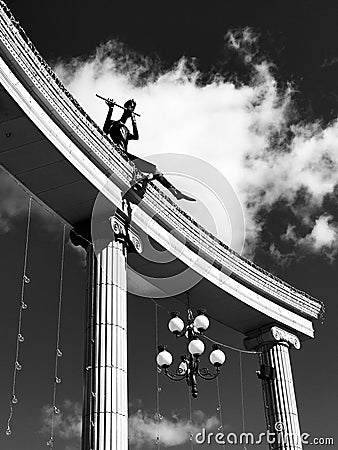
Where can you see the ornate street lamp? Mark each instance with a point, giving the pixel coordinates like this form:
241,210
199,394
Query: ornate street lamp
189,367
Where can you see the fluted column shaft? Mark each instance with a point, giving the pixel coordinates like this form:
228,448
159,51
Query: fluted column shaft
105,412
278,389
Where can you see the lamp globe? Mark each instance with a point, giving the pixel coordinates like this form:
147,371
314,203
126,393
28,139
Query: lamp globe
164,358
196,347
217,357
176,324
201,322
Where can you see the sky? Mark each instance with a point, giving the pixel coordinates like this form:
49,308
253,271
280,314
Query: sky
249,88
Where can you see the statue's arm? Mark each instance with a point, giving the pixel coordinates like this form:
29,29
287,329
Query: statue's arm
134,135
108,121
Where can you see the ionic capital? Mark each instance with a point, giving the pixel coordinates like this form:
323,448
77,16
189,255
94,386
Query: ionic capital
118,225
282,335
124,233
135,240
272,336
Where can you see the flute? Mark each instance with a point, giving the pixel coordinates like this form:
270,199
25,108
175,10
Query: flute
113,103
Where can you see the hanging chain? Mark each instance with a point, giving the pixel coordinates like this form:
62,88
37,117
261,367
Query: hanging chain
219,409
242,395
58,352
158,389
20,338
92,267
191,436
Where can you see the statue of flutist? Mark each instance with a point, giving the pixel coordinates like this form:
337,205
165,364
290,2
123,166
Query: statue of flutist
121,135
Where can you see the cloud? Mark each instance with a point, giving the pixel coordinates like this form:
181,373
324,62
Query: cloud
80,251
317,236
145,429
219,121
67,424
323,237
243,41
247,129
323,233
13,202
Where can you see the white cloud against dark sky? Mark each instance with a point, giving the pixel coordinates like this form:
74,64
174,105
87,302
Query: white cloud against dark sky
246,130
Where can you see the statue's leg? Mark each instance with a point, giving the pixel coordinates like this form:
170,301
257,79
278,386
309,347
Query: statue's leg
146,168
171,188
151,172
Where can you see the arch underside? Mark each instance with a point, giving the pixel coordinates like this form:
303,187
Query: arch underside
63,159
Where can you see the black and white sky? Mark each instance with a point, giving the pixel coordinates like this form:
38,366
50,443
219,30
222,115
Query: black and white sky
250,87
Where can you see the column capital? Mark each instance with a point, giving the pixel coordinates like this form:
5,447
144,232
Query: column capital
118,225
125,233
272,335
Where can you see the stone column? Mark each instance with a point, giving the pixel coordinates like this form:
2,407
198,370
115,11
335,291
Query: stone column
277,383
105,411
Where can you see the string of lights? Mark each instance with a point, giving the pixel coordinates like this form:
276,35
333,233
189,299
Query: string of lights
43,206
158,415
242,395
58,353
36,199
19,337
220,410
92,307
221,344
191,435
